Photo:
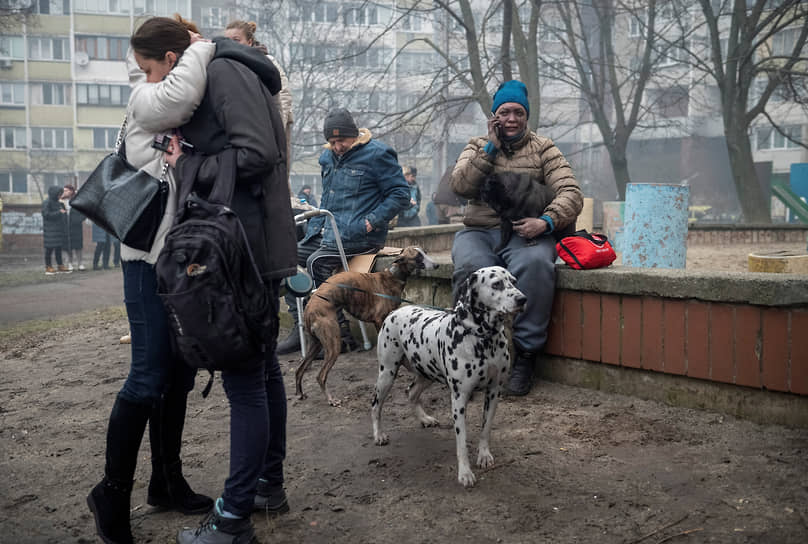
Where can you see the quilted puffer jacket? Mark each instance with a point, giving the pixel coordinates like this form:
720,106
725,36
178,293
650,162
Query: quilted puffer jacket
533,155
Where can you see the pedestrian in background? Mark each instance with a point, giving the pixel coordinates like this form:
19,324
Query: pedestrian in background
432,210
75,234
103,242
54,230
409,217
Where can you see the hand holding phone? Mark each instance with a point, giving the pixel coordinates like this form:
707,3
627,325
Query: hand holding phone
494,131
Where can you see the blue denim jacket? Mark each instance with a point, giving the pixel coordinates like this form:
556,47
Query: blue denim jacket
365,183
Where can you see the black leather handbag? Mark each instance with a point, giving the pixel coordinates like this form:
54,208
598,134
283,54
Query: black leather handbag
123,200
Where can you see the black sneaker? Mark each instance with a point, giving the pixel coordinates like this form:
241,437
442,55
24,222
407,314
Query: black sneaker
271,499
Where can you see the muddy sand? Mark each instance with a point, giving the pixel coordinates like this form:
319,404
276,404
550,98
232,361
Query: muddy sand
572,465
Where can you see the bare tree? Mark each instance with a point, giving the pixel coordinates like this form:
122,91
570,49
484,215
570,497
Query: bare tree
612,54
751,43
15,12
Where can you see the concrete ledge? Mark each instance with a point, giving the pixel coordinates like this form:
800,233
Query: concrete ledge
760,406
754,288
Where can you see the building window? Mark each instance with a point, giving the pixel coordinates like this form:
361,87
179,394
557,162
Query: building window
13,138
55,179
102,95
214,17
12,93
12,47
769,138
669,102
105,138
784,41
48,48
103,47
51,138
411,21
53,94
13,182
551,30
411,62
165,8
637,23
52,7
101,6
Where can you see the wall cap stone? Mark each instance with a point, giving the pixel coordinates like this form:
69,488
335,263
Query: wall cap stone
755,288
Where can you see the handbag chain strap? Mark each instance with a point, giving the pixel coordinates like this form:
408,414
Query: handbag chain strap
121,133
119,141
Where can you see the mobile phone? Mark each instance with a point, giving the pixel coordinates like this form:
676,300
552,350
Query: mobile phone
497,126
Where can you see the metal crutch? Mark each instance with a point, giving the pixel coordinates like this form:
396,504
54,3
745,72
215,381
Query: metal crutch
299,219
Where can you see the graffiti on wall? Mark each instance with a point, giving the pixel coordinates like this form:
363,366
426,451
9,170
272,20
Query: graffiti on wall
21,223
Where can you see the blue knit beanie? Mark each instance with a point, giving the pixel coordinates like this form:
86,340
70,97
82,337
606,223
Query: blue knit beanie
511,91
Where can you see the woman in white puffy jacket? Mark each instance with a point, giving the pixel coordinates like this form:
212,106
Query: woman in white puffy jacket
167,72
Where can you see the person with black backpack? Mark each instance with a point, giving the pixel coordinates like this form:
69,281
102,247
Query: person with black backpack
167,78
237,131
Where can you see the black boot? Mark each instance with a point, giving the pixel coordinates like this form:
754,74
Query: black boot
291,343
109,500
521,379
109,503
270,498
348,342
167,487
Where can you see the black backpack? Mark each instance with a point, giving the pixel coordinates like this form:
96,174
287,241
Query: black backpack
218,307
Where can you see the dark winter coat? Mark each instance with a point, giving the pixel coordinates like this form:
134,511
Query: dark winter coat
239,112
75,234
54,221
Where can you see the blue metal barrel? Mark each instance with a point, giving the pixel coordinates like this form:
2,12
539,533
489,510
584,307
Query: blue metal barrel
655,226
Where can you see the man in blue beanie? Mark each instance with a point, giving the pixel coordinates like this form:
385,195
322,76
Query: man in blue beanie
510,146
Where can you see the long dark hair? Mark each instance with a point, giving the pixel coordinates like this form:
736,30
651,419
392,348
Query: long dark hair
159,35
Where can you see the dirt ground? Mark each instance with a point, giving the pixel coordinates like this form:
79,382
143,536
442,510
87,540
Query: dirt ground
572,465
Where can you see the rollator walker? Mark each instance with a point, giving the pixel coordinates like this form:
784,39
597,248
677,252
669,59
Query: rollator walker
301,285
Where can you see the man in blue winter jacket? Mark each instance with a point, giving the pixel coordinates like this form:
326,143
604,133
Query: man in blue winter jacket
364,187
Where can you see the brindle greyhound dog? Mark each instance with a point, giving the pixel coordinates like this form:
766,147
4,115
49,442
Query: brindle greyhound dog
358,294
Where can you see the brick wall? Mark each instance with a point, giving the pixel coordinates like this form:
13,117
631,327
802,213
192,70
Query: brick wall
733,342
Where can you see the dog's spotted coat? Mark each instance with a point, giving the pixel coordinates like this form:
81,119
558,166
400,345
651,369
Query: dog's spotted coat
467,349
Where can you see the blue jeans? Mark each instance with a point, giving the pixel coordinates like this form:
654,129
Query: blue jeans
533,264
257,426
154,368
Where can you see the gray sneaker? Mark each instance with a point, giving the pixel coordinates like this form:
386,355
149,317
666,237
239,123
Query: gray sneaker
271,499
217,529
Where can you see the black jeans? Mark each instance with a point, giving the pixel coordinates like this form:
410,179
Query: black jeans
257,427
49,251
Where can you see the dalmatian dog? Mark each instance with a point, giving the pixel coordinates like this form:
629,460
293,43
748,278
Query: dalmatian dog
467,349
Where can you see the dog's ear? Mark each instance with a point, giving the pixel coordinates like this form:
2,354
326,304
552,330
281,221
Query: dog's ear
465,296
